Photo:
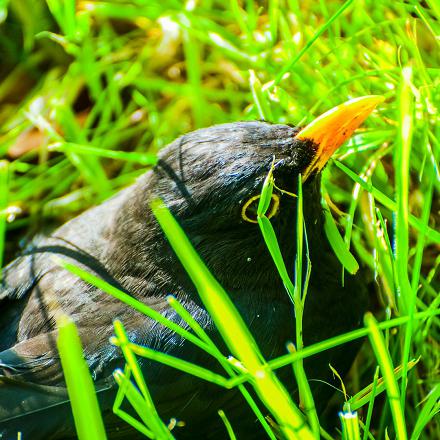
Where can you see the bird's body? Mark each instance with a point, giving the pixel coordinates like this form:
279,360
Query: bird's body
204,178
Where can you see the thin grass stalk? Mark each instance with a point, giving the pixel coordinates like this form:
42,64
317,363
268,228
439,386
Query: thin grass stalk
130,156
227,424
309,44
260,97
298,304
407,296
4,190
127,390
154,421
371,405
305,393
364,396
306,397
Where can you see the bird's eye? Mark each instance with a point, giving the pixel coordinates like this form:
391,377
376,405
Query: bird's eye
249,210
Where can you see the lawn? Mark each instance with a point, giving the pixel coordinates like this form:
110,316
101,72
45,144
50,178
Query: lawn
91,91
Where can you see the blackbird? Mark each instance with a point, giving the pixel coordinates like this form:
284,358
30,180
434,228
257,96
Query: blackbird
210,179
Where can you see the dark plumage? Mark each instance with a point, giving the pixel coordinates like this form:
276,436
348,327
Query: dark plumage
204,177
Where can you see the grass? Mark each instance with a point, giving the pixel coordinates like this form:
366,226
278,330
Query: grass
91,91
82,395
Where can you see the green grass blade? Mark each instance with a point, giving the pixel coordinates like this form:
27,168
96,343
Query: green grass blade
402,153
378,386
366,427
305,393
306,396
85,408
350,426
178,364
315,37
407,295
198,330
386,366
260,98
430,408
127,389
3,10
233,329
337,242
228,425
335,341
298,300
269,235
70,147
275,252
4,191
192,49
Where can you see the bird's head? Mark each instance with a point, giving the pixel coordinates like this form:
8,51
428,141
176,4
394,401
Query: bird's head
211,180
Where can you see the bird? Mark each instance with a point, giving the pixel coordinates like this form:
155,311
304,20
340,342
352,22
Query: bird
210,180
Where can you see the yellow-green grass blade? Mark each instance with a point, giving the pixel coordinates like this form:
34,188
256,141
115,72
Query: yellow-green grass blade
227,424
365,396
269,235
298,300
275,252
387,261
179,364
337,243
233,329
90,167
192,51
128,391
350,425
85,408
64,13
306,396
70,147
260,97
4,185
315,37
305,393
384,360
366,173
366,427
401,165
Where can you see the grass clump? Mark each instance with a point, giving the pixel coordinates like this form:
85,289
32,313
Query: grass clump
90,91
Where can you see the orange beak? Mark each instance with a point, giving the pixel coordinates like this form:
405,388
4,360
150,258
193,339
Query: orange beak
330,130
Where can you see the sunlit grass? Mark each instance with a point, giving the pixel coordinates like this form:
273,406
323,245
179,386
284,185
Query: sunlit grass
90,91
85,408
